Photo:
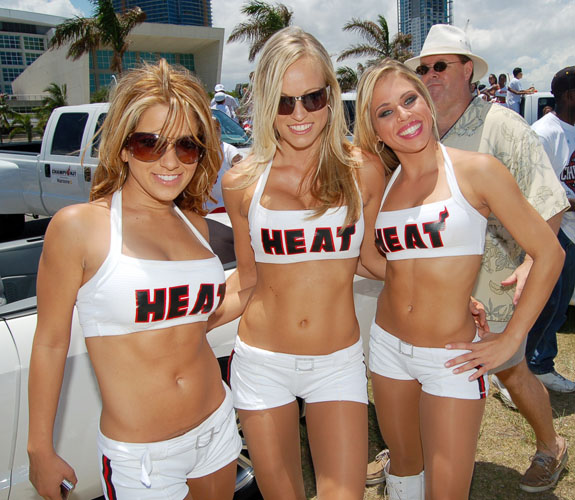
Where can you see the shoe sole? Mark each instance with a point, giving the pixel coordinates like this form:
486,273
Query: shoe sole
554,478
374,482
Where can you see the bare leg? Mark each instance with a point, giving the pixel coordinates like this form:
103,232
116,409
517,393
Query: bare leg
397,407
219,484
337,433
532,400
449,432
273,438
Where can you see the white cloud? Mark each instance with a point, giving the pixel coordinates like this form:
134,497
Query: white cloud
62,8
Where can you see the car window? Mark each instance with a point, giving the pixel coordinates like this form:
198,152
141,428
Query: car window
232,133
67,137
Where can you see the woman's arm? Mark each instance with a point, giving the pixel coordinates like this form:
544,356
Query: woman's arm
241,282
60,275
372,180
498,192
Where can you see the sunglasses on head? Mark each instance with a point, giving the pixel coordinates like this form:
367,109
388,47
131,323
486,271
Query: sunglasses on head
438,67
314,101
148,147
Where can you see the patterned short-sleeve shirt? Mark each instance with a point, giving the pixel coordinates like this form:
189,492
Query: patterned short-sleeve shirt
496,130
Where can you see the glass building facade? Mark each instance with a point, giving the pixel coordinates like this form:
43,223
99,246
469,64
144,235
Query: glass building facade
416,17
20,45
101,75
184,12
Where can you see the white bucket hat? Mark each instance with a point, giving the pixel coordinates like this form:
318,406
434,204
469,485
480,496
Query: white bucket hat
219,88
447,39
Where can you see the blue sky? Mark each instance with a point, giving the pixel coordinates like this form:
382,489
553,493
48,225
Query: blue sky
536,35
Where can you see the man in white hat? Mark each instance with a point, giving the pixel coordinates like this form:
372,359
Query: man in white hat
447,66
230,100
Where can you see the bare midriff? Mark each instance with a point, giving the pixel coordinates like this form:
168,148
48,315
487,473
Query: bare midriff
157,384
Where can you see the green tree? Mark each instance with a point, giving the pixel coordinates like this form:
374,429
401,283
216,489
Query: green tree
23,124
57,96
100,95
265,20
5,114
348,77
377,44
106,29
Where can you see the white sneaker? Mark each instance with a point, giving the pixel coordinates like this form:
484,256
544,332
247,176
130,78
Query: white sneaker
503,392
556,382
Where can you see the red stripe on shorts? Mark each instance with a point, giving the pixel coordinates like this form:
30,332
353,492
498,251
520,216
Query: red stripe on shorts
107,473
481,382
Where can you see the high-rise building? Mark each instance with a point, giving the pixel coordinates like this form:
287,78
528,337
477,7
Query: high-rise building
184,12
416,17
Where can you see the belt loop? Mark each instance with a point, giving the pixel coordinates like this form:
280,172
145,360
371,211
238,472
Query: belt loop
407,350
304,364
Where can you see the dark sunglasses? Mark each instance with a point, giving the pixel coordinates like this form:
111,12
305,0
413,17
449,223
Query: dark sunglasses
438,67
148,147
314,101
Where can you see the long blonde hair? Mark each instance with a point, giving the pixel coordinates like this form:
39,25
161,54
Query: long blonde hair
333,182
187,102
365,136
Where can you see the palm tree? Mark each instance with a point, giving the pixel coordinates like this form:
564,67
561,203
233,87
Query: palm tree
105,29
57,97
265,20
378,45
5,114
348,77
22,124
100,95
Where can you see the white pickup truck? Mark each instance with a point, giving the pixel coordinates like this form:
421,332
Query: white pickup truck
40,178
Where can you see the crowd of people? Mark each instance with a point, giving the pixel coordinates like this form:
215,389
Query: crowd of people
432,197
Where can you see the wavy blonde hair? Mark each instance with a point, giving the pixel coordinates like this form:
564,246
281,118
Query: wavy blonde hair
139,90
333,181
365,136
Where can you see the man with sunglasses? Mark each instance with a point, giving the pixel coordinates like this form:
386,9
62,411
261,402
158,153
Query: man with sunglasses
447,66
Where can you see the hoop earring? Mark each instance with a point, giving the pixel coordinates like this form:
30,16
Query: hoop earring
380,147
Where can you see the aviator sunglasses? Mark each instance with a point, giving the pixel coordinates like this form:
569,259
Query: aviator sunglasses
314,101
438,67
148,147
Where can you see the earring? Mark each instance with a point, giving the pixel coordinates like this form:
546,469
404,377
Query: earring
380,146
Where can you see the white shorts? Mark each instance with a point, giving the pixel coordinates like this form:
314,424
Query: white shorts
159,470
391,357
263,379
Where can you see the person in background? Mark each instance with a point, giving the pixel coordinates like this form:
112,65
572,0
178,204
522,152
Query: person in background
557,133
231,156
492,88
220,104
475,125
515,90
230,100
501,93
136,263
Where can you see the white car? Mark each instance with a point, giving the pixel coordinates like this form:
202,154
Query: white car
79,408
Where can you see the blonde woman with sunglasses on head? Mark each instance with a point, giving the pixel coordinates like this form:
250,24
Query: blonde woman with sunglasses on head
136,262
297,215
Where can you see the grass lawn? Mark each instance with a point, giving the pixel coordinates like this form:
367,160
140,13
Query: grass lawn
506,441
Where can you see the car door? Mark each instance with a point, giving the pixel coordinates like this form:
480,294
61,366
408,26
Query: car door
61,175
9,393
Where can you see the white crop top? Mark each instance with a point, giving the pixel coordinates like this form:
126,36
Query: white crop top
289,236
438,229
128,294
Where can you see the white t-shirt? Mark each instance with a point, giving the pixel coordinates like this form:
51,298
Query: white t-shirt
558,138
513,100
230,101
229,153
